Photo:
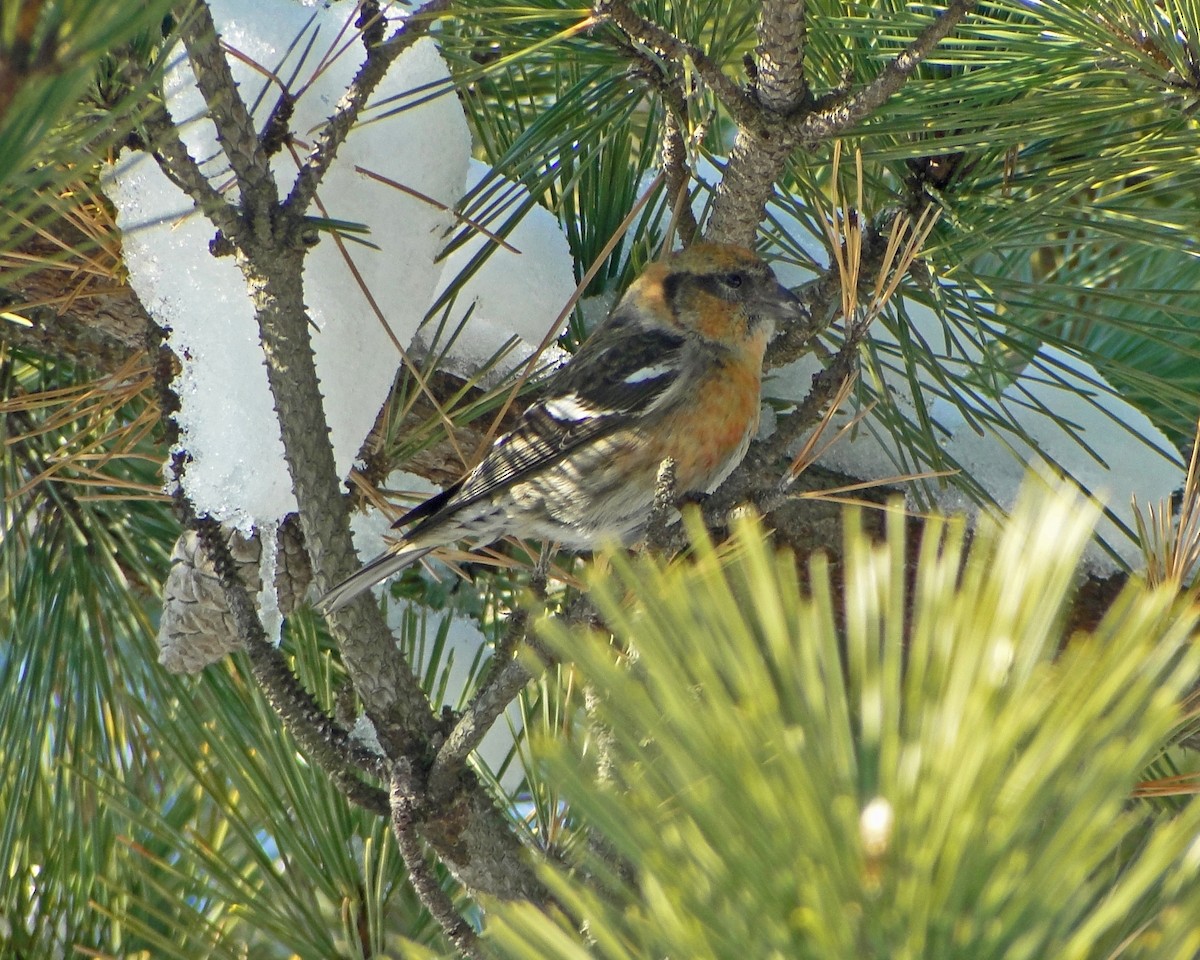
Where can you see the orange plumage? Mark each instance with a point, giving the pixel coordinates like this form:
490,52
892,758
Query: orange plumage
674,371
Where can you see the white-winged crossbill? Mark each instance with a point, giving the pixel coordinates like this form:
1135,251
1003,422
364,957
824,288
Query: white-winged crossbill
674,371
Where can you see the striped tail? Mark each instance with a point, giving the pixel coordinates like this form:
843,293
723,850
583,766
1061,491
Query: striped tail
382,567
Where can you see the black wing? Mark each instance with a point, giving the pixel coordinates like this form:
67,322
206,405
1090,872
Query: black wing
619,373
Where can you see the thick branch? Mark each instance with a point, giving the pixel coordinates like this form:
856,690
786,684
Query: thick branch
88,321
756,162
393,699
318,735
273,267
781,31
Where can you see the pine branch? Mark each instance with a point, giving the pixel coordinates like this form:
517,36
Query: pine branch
780,84
767,139
830,120
379,59
649,34
467,830
319,737
234,125
404,797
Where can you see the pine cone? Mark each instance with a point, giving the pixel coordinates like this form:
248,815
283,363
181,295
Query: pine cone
196,627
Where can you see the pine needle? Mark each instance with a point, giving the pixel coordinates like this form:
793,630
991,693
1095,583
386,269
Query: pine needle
102,421
1171,545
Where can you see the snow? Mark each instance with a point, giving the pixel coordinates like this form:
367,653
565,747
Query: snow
1057,400
511,294
269,611
229,433
233,465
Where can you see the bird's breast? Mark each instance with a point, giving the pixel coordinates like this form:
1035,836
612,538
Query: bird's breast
711,432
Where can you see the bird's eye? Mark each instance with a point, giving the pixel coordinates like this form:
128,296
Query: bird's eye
734,280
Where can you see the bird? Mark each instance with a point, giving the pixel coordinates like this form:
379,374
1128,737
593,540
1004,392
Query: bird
674,371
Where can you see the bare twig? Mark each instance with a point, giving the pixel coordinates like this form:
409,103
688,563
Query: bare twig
228,112
828,121
674,153
675,165
182,170
649,34
178,165
371,22
483,711
372,71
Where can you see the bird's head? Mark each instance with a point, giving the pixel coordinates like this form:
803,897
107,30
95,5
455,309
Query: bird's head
722,294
